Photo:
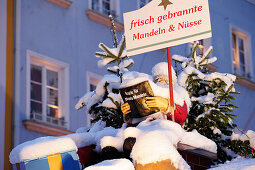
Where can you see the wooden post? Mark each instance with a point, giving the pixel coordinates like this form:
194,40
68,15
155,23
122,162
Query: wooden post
170,82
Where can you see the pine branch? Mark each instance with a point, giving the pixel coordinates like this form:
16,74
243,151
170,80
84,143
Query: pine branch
206,55
102,55
105,48
129,66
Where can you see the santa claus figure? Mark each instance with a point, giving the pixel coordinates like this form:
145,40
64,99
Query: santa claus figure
181,99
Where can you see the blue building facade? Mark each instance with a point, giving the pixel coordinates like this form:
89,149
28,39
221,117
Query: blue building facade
55,42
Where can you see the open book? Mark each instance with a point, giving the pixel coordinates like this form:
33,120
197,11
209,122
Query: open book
135,96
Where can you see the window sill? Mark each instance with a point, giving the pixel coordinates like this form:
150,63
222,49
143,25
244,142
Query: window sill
45,129
61,3
246,83
102,19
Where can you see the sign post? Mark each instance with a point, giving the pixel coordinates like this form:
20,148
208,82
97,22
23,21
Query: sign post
166,23
170,82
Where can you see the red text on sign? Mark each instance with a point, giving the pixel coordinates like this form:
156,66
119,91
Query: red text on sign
141,22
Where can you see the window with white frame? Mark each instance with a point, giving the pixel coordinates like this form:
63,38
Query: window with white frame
241,55
47,90
105,7
92,80
142,3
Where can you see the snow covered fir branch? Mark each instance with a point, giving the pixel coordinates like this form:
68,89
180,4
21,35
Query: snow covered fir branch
212,95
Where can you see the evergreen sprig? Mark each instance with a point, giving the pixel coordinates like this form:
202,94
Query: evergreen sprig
214,119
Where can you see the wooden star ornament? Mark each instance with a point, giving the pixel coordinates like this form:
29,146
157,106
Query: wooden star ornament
165,3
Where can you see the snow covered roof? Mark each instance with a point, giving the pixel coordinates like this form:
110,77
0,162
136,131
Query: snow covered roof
114,164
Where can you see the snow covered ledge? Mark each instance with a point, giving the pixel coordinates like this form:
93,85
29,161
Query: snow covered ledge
102,19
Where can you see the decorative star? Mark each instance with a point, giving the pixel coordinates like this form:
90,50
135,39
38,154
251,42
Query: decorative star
165,3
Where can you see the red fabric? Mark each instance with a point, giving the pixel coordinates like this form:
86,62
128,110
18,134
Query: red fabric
180,113
85,154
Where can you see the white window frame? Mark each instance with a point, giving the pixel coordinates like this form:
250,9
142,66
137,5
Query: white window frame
92,79
139,3
114,6
247,51
63,84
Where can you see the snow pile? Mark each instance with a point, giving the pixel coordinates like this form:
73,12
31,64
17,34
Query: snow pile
236,136
157,140
157,143
229,79
238,163
98,126
82,139
249,135
207,99
182,78
115,142
108,131
82,129
216,130
41,147
114,164
108,103
44,146
131,132
192,138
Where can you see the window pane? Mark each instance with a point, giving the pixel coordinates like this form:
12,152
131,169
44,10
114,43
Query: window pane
36,73
240,43
52,78
95,5
36,92
92,87
52,96
106,7
241,55
234,40
36,108
52,112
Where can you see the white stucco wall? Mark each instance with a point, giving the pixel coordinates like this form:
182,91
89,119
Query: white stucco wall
2,77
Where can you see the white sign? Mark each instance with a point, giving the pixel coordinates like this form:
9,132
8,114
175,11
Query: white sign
165,23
